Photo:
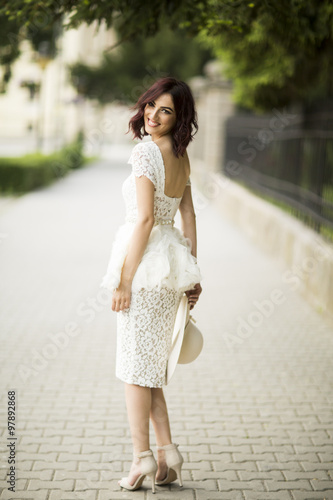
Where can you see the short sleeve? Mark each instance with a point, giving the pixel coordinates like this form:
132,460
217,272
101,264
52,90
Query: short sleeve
143,163
188,182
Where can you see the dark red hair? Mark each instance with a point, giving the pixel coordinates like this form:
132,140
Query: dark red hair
186,116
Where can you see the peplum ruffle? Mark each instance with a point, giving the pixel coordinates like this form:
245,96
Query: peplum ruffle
166,262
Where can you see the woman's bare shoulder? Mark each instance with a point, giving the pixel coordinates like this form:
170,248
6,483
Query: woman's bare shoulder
165,145
166,148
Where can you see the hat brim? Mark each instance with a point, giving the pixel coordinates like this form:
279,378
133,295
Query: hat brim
192,344
177,336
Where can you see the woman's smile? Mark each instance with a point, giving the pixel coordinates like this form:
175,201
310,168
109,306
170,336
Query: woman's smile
151,123
160,116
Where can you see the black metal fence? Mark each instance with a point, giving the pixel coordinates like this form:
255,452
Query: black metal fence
287,157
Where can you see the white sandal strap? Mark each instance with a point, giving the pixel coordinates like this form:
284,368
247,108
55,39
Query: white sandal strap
144,454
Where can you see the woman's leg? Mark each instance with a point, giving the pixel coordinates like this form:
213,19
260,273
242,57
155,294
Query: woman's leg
138,403
160,419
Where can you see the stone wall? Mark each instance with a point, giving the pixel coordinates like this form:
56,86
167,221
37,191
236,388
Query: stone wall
214,106
306,256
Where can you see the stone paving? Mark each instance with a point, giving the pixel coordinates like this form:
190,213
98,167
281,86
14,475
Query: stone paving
252,415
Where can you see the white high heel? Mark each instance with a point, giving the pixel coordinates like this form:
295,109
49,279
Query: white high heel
174,461
148,468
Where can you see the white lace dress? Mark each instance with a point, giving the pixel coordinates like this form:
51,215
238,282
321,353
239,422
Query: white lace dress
166,270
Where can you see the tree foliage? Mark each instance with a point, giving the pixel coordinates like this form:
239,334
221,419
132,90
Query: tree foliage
133,16
42,36
124,74
275,51
9,47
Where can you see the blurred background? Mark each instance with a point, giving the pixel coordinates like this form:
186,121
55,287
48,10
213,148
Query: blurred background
254,414
261,73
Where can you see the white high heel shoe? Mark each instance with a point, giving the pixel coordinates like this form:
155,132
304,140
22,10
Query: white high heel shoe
174,461
148,468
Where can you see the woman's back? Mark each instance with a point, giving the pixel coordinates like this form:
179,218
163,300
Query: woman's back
177,170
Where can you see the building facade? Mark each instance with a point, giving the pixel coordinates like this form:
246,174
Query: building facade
41,110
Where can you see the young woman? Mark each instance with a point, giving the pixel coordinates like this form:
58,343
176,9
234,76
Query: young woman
152,264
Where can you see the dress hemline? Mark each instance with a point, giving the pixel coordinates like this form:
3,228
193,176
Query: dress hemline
132,382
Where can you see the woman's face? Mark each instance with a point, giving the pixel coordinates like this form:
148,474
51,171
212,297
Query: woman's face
160,116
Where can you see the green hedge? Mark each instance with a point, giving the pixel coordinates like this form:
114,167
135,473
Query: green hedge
19,175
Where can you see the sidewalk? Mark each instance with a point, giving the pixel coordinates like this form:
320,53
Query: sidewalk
253,415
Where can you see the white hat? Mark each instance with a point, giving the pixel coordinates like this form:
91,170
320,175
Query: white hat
187,340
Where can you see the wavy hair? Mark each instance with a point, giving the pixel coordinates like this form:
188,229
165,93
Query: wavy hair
186,117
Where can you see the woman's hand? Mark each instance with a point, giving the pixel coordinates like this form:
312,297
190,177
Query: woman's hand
193,295
121,298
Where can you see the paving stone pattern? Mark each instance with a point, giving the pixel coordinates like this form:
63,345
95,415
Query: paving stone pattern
252,415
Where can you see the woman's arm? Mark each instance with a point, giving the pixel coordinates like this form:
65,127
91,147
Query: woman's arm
121,297
189,228
188,223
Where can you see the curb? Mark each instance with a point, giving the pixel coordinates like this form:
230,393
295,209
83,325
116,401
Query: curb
308,257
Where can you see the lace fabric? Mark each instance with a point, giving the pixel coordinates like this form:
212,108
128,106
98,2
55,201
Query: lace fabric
167,259
144,333
147,160
166,270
